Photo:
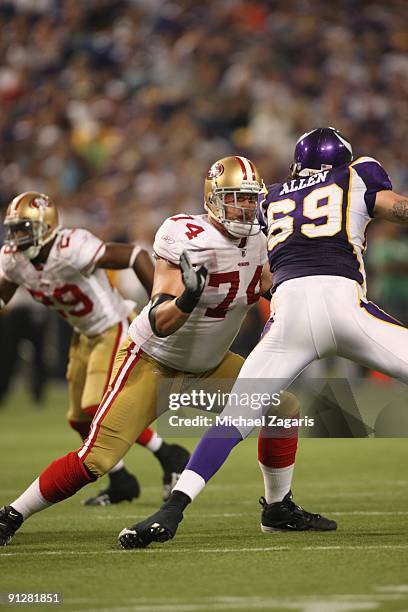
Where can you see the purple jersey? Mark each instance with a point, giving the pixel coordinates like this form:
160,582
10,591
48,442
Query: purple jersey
316,224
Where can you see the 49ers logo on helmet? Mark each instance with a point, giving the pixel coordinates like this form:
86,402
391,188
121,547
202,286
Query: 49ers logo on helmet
39,202
215,171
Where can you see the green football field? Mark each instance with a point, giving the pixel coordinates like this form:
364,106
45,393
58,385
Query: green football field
219,560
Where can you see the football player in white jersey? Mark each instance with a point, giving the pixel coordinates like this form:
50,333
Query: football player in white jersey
315,225
64,270
210,270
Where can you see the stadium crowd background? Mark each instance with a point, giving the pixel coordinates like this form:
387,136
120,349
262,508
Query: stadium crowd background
117,108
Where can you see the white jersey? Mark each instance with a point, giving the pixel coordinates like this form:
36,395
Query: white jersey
69,283
232,287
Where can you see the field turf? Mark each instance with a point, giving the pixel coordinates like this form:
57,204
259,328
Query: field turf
219,560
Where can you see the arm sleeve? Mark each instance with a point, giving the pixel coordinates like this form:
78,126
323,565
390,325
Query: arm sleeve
375,179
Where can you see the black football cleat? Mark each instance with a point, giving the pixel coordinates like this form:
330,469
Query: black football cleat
173,464
10,521
288,516
159,527
121,488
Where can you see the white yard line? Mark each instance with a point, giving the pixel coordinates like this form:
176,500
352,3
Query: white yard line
102,517
172,550
334,603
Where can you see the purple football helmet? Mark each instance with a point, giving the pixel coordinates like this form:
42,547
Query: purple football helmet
320,149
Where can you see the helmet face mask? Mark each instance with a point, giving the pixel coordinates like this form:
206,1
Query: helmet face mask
25,236
319,150
238,220
31,222
231,193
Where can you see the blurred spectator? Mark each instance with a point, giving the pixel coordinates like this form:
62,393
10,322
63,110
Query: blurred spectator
23,325
388,261
116,108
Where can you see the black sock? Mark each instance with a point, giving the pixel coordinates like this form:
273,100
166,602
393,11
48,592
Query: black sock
119,475
178,499
163,453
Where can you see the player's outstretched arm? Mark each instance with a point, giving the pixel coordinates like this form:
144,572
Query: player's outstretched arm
392,207
119,256
176,292
7,290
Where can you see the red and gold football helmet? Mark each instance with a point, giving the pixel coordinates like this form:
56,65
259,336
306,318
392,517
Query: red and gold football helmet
231,192
31,221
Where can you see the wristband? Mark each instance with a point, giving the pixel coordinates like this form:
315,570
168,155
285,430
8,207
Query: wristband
133,255
187,301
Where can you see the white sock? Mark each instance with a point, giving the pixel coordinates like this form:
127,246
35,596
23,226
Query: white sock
154,443
277,481
119,466
31,501
190,483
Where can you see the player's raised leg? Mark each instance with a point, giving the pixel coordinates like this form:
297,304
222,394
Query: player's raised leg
270,356
128,408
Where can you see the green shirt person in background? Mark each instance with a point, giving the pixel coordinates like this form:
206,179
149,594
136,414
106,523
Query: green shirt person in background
388,262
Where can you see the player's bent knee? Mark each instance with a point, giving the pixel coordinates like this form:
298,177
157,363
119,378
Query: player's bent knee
99,463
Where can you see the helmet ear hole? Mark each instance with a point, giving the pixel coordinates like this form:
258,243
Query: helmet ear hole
293,170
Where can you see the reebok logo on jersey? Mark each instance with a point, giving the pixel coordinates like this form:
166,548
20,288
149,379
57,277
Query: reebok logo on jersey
168,239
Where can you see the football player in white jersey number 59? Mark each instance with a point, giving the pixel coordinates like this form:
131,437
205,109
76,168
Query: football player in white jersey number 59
63,269
315,225
184,333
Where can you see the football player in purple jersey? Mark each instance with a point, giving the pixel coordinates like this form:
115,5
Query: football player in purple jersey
315,224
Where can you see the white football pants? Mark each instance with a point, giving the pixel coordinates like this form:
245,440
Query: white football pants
313,317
